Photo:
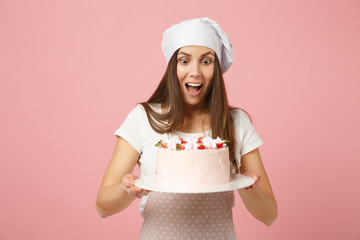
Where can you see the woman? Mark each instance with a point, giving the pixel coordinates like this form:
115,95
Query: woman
190,100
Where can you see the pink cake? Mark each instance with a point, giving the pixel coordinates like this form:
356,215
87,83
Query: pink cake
192,163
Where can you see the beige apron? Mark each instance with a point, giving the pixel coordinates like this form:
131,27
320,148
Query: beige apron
188,216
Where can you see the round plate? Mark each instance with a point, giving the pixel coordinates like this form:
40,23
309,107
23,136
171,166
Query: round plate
237,181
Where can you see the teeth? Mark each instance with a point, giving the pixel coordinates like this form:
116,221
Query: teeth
194,84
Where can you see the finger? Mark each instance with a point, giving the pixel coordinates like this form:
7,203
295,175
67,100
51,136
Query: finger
145,192
133,191
125,181
258,177
128,180
140,194
250,187
255,176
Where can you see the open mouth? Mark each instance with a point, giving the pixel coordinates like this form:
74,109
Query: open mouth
193,88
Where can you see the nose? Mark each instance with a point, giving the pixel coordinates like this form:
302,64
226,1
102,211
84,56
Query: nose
195,70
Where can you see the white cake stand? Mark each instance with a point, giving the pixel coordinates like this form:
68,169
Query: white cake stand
237,181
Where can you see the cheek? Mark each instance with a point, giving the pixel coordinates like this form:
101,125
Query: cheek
209,74
180,73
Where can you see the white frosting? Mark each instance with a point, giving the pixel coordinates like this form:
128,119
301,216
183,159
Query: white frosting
209,142
171,143
218,140
191,143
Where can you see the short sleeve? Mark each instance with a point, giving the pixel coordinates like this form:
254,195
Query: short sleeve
129,129
247,139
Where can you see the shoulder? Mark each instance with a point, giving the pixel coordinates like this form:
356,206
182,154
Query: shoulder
153,106
139,107
136,113
142,112
241,119
239,114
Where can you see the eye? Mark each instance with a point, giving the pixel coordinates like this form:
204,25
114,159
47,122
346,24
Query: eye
206,61
183,60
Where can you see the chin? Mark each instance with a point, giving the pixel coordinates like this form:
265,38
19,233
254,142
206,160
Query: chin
194,103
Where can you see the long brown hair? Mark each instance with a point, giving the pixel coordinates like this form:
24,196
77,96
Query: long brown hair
168,94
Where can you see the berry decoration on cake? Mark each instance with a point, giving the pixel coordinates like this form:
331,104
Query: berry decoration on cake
192,143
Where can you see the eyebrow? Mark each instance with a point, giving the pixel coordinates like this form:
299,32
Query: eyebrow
187,54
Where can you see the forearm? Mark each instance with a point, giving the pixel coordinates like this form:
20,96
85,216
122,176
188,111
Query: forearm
260,204
113,199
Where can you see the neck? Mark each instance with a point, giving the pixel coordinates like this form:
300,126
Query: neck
196,120
195,111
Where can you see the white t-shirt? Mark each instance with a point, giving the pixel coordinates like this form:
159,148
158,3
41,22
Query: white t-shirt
137,131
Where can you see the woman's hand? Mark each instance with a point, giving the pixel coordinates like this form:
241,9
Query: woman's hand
254,176
259,198
130,188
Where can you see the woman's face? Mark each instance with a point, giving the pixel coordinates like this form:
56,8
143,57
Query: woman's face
195,71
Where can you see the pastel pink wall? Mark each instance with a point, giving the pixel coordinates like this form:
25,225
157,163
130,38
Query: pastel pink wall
70,72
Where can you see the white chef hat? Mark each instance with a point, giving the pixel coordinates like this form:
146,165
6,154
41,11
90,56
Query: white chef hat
202,32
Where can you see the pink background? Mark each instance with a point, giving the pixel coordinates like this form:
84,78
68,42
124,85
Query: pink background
71,71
